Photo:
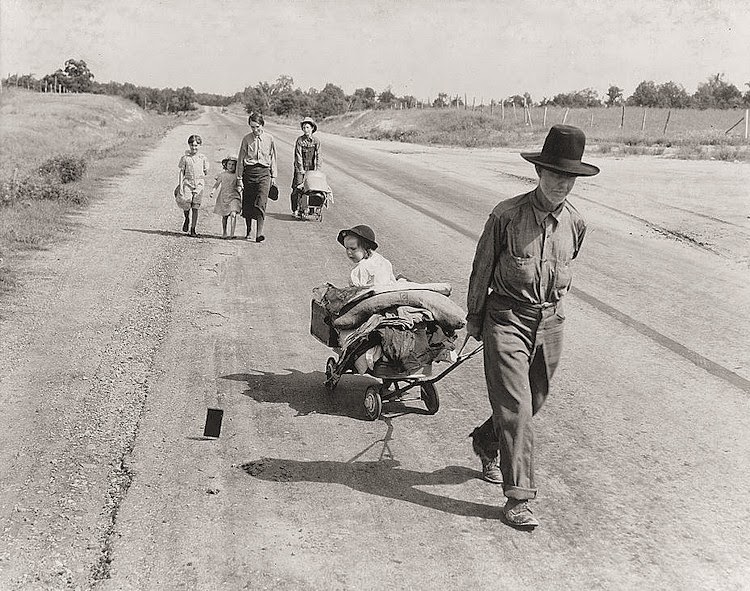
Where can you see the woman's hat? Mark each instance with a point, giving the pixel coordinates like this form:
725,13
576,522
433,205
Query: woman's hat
562,152
228,159
311,121
364,232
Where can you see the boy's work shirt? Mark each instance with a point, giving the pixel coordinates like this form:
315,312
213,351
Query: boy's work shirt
194,169
525,253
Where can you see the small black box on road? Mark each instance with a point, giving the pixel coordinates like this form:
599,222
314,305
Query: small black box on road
213,422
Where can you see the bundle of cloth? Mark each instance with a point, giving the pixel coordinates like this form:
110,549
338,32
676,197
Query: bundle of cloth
399,328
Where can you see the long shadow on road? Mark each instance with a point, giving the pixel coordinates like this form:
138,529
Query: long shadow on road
383,478
306,394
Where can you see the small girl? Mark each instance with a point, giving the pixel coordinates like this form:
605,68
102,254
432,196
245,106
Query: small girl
189,192
228,198
371,268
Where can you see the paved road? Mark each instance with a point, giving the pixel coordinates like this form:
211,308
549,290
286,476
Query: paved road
125,335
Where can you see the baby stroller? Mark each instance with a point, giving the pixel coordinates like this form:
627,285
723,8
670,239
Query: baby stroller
314,195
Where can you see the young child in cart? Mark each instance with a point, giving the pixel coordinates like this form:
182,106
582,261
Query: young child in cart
370,267
228,198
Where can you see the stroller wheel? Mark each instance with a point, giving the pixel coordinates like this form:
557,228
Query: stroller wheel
430,398
372,403
332,378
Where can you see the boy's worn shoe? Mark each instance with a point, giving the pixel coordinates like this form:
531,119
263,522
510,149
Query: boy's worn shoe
192,232
518,513
186,225
260,238
490,460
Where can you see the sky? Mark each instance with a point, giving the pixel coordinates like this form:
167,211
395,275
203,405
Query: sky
483,49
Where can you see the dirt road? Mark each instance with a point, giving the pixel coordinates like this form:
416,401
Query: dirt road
123,337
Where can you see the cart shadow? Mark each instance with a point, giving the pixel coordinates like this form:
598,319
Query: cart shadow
384,478
303,392
306,394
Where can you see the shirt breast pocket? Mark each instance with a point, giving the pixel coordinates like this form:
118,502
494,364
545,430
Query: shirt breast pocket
518,271
563,274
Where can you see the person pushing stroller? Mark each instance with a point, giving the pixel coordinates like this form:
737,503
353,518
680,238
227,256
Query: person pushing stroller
306,157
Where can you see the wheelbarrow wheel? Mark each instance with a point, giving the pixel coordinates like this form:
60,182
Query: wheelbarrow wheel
430,398
372,403
332,379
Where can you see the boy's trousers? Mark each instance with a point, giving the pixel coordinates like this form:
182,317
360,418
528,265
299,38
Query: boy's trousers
522,347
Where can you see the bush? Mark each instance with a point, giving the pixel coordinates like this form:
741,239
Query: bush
39,187
65,167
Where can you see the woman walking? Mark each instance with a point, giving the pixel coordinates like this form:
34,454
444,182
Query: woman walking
256,173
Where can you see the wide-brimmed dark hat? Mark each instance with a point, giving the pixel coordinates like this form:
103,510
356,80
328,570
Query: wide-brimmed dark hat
311,121
228,159
562,152
364,232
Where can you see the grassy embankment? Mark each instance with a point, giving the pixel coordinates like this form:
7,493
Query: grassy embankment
99,136
690,134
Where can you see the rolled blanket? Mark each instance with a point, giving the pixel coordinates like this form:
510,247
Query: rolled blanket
448,314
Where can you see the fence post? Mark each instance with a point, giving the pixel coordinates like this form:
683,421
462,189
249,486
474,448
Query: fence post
544,123
592,120
747,112
565,117
473,103
622,119
643,123
669,113
502,109
492,106
515,117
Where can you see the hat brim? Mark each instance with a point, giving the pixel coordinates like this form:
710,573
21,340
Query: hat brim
574,168
344,233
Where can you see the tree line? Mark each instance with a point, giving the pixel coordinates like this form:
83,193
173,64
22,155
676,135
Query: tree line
75,76
283,98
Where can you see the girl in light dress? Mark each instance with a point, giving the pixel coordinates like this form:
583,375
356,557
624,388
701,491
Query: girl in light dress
228,198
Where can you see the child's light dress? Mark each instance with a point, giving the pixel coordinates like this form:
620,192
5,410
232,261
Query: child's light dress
228,199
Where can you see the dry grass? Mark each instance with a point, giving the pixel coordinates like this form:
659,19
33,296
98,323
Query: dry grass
109,133
690,133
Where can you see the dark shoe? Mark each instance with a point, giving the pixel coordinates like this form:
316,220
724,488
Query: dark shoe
260,238
192,232
186,225
490,460
518,514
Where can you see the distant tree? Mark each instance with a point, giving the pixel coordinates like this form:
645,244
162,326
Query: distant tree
78,75
362,99
746,96
614,96
717,93
408,101
588,97
330,101
645,95
528,100
253,100
515,99
282,85
441,101
672,95
292,102
386,98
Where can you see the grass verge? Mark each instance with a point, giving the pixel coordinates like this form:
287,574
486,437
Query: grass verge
56,154
681,133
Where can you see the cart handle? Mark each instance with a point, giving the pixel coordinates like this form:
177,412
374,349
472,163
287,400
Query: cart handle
459,360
